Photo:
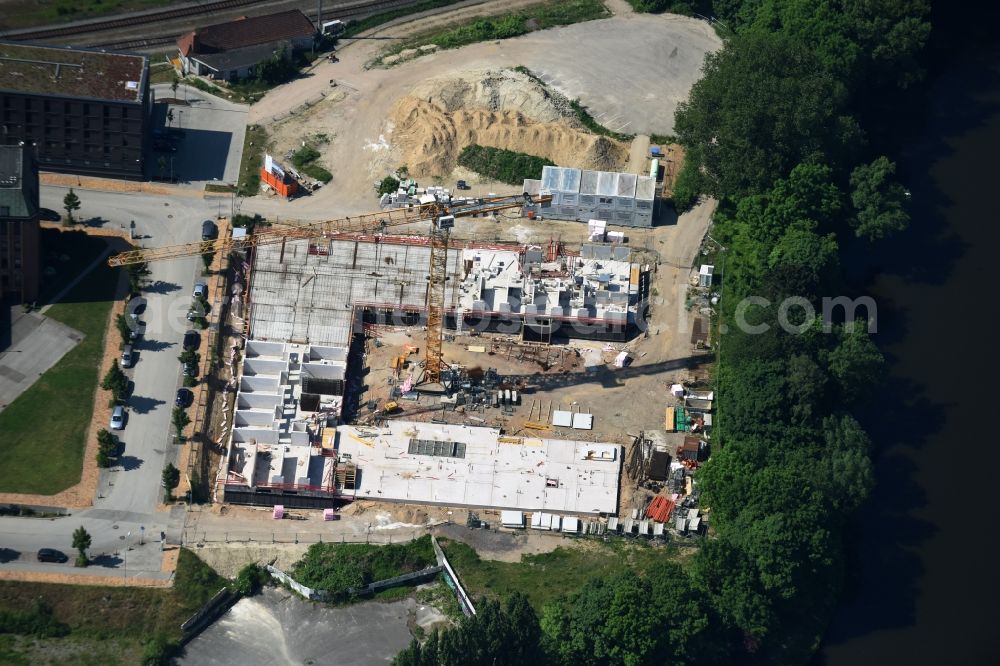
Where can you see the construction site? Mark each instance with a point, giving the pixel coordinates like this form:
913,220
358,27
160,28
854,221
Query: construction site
425,370
510,355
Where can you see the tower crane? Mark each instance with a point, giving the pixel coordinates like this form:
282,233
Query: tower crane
442,217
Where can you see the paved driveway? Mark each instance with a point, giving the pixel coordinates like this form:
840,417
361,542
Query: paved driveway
129,493
36,343
212,130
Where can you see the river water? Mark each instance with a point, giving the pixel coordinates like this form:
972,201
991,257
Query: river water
924,578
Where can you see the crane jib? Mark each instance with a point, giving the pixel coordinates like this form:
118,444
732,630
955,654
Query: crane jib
364,223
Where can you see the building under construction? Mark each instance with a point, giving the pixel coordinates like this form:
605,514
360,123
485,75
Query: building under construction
321,292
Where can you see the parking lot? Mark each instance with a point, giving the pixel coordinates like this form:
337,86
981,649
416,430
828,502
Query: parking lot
203,142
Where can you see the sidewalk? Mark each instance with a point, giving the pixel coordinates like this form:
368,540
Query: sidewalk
116,185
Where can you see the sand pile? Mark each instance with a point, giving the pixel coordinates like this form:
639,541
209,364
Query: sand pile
499,108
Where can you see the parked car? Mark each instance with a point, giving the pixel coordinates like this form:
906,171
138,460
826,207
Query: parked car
200,290
208,230
191,340
190,370
462,185
118,418
127,357
52,555
184,397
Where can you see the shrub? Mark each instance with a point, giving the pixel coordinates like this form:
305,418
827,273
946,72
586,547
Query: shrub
38,622
159,651
304,156
506,166
687,187
387,186
317,172
250,580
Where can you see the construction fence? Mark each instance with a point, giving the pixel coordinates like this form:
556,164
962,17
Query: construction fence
194,537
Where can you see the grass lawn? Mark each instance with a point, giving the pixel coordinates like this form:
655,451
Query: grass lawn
369,22
162,73
527,19
103,625
547,576
253,158
44,428
29,13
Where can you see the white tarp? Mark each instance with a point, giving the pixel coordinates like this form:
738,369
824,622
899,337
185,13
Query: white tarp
583,421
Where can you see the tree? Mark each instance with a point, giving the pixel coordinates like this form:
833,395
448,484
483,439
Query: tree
277,69
115,381
81,541
169,479
387,186
855,363
496,636
180,419
107,447
171,476
162,164
170,116
866,44
879,201
71,204
763,105
173,87
124,326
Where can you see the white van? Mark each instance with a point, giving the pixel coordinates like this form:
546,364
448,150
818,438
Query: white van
127,358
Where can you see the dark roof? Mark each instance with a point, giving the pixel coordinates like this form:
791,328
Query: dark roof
236,58
251,32
18,182
69,72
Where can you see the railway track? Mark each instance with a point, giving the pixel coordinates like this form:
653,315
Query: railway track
128,22
350,11
133,20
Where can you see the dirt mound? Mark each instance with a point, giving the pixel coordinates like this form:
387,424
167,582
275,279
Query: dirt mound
498,108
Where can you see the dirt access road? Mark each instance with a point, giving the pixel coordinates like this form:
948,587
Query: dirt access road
652,59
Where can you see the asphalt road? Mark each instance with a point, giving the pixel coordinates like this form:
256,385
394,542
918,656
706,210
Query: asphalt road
129,493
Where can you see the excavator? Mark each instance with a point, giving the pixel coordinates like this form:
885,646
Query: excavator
441,215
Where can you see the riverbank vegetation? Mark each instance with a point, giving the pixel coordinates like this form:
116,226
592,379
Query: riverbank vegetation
776,131
86,624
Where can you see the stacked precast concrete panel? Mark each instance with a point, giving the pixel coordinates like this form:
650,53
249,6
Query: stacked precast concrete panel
622,199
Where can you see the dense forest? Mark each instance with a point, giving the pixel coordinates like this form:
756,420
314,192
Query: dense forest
781,130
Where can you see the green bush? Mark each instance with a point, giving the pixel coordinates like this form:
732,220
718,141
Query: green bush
159,651
588,121
304,156
369,22
317,172
687,187
387,186
250,579
37,622
506,166
534,17
337,568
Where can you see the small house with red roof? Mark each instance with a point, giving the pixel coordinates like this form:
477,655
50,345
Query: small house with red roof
233,51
